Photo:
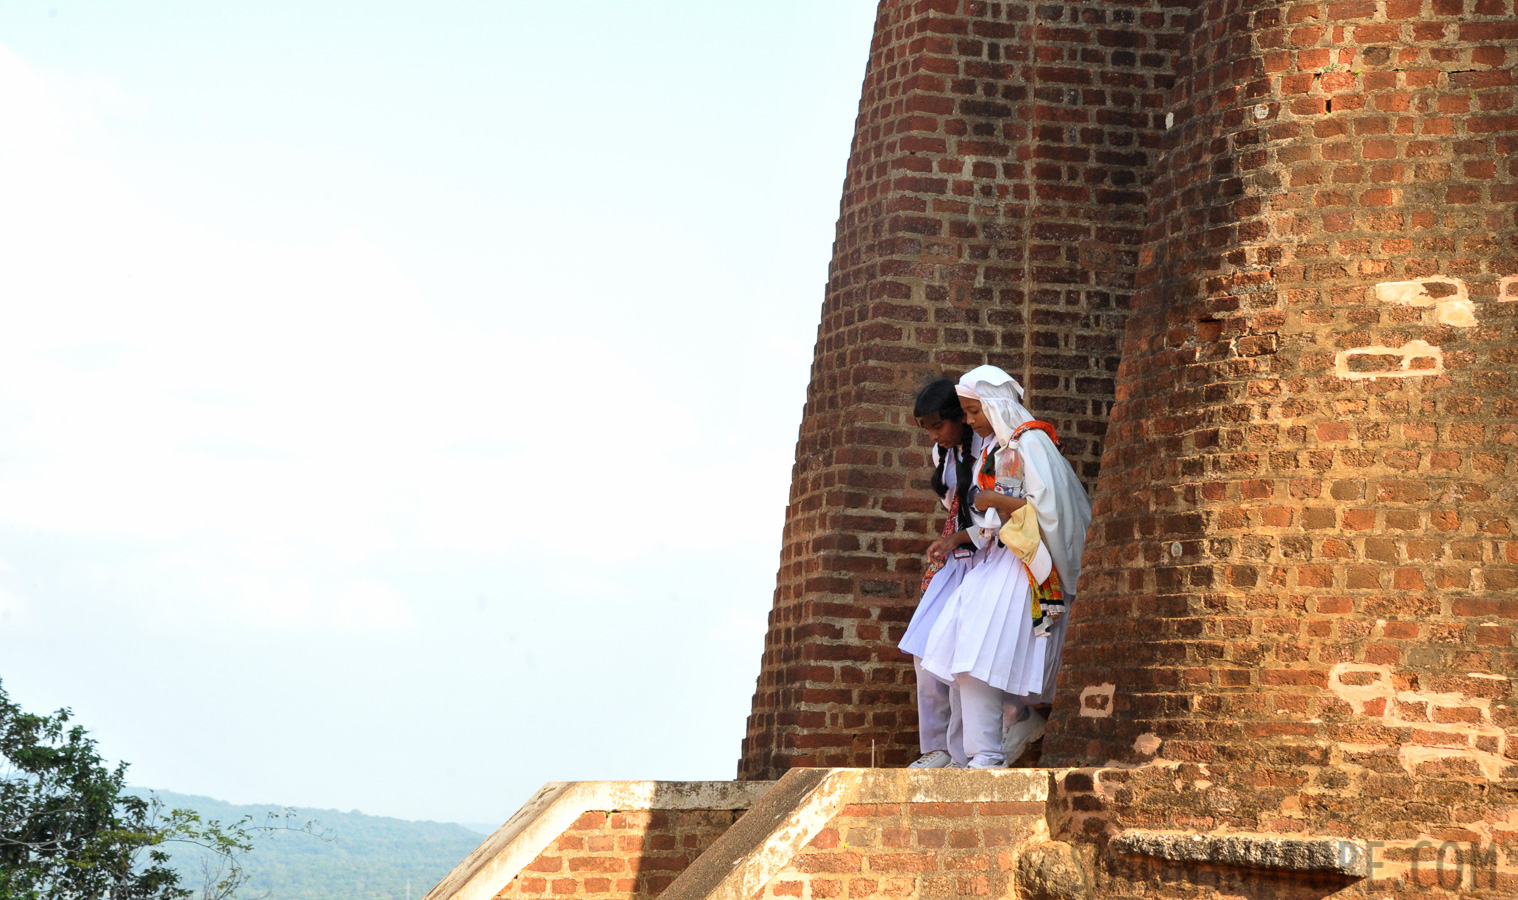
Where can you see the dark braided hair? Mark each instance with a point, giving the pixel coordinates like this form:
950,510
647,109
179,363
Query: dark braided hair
939,397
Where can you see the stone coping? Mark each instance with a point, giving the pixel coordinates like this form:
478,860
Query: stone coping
1271,852
803,801
558,804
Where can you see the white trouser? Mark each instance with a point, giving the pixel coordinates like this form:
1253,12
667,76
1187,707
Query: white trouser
983,710
938,720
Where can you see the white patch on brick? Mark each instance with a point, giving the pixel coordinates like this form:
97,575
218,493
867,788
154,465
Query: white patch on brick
1452,306
1431,741
1147,744
1460,314
1096,702
1417,358
1507,289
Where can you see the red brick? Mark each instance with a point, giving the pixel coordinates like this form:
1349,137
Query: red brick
881,863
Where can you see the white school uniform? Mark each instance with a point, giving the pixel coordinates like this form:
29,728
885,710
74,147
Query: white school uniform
938,717
985,628
946,580
983,638
983,645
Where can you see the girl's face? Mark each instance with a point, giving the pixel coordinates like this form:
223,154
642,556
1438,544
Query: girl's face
976,417
946,433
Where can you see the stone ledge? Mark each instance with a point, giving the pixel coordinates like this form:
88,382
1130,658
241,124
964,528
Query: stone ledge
1270,852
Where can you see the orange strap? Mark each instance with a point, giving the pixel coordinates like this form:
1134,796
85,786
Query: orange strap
1045,427
986,480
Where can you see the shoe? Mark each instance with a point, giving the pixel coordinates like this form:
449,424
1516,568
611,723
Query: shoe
1021,733
955,765
978,763
933,759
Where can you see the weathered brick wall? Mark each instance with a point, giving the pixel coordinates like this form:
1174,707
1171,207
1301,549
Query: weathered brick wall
628,854
1316,407
905,850
992,212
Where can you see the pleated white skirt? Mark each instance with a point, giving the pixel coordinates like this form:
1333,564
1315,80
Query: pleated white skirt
985,629
945,582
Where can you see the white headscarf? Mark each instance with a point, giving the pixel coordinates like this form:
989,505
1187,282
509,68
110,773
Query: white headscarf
1064,510
998,394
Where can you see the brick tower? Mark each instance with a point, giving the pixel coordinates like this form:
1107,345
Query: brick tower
1301,583
1294,224
992,211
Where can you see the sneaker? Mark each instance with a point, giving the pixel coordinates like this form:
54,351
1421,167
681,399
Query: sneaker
955,765
1021,733
984,763
934,759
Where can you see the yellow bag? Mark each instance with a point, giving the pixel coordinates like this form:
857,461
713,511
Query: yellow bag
1021,535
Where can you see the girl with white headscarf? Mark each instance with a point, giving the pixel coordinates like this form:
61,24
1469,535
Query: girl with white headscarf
984,640
956,453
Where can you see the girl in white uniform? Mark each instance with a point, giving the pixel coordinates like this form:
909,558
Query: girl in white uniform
956,449
984,640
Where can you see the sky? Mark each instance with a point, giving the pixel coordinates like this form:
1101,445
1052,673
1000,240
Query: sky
398,400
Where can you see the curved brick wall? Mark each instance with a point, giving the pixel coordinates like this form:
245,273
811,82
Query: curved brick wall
1318,401
992,212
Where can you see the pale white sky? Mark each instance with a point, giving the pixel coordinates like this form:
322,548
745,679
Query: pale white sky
397,400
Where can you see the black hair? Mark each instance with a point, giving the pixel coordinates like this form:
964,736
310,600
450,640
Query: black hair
938,397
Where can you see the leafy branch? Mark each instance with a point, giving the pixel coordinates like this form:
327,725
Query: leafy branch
70,831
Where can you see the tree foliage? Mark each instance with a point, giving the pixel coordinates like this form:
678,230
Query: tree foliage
69,831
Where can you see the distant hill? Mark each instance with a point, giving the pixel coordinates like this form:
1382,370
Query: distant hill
359,857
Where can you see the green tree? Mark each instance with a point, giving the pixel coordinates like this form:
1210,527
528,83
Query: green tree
68,831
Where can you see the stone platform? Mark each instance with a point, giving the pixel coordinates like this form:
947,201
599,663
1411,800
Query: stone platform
849,833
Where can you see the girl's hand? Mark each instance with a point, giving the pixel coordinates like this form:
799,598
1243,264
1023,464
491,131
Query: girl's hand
987,499
938,551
